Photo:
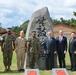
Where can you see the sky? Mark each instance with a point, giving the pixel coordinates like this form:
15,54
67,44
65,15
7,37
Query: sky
15,12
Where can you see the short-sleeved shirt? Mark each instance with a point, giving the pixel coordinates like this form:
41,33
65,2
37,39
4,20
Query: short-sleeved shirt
33,42
20,42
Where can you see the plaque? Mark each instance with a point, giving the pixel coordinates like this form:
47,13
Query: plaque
31,72
59,71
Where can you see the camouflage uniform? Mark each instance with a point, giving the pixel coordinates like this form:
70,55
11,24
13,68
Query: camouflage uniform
7,49
33,52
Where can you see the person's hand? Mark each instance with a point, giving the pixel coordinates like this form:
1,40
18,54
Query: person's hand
44,52
55,52
13,49
64,52
74,52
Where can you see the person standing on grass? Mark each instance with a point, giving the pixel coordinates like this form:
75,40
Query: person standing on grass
1,39
50,50
20,49
61,43
7,47
72,51
33,49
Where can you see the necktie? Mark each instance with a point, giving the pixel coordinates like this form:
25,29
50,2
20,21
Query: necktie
60,39
50,39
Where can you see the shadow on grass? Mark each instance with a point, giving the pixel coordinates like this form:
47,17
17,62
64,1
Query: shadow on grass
12,71
67,68
17,72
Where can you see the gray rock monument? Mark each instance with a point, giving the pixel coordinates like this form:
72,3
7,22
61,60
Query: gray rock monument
41,23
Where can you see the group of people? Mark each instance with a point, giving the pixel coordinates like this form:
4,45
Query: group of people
59,46
52,46
9,43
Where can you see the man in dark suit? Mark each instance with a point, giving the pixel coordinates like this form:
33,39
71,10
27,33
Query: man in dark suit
50,50
61,43
72,51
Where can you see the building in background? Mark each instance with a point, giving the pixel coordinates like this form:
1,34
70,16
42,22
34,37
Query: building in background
66,30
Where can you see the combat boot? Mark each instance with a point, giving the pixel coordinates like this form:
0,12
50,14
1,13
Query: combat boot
9,68
5,69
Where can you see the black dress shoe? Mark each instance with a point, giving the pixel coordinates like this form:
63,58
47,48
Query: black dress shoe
64,66
73,70
22,70
60,66
69,69
47,69
19,70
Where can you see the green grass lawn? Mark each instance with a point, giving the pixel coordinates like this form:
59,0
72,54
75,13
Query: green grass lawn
14,67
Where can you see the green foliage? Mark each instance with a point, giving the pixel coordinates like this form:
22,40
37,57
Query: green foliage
16,29
74,13
24,26
2,28
55,21
70,22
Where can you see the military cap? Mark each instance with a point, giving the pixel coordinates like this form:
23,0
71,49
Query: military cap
8,29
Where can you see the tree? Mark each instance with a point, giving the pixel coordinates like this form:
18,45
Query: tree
24,26
74,12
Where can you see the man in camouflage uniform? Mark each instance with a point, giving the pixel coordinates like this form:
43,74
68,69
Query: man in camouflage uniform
33,48
7,47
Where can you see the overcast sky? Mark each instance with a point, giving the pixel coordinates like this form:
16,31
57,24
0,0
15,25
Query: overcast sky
15,12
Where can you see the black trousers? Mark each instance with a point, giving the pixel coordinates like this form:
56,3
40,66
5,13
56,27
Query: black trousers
62,63
49,61
73,60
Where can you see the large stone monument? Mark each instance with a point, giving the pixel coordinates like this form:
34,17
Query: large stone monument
41,23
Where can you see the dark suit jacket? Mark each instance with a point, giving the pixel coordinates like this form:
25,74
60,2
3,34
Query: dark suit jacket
72,45
75,44
50,45
61,46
